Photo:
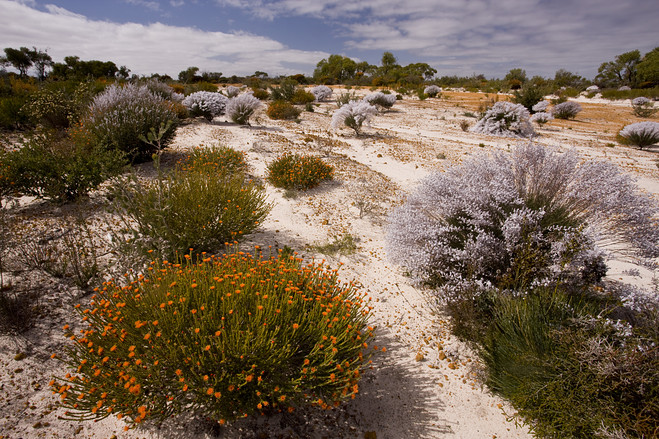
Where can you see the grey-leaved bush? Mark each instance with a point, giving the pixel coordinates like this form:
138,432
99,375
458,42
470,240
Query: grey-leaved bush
505,119
206,103
353,115
566,110
242,107
641,134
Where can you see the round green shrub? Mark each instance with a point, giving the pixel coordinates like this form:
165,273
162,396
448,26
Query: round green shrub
216,159
294,171
224,337
121,115
282,110
302,97
187,209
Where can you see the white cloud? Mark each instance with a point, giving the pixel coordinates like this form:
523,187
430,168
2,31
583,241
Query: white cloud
147,4
152,48
176,3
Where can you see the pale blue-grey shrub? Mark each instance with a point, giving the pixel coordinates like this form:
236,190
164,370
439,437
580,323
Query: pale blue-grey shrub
380,100
592,88
163,90
353,115
643,107
121,115
321,92
505,119
566,110
466,227
541,117
540,106
232,91
641,134
205,103
432,91
242,107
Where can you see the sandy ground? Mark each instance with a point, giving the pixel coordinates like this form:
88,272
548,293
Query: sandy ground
426,384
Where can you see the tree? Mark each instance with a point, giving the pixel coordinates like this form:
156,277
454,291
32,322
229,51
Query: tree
20,59
621,71
421,69
648,69
73,67
515,78
41,61
188,75
388,62
123,72
334,70
564,78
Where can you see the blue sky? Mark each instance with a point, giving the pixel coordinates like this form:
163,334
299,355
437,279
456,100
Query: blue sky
290,36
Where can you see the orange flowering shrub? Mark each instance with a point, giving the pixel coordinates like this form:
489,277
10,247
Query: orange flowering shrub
225,337
294,171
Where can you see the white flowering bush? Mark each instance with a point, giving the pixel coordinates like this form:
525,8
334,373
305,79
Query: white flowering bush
540,106
566,110
242,107
505,119
353,115
163,90
381,100
592,89
122,116
232,91
514,221
321,92
641,134
541,118
643,107
206,103
432,91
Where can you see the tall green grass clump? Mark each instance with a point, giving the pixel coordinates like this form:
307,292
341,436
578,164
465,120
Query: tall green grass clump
294,171
222,337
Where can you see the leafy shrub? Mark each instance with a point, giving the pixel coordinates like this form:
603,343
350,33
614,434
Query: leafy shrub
11,115
191,208
51,108
199,86
505,119
353,115
206,104
345,98
122,115
294,171
164,91
540,106
541,118
232,91
464,125
285,91
528,96
241,108
643,107
282,110
321,92
566,110
513,221
225,337
215,160
260,94
641,134
432,91
380,100
302,97
652,93
59,168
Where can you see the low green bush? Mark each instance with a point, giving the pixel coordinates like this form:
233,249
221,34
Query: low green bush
216,160
615,94
302,97
59,168
281,110
187,209
294,171
223,337
11,115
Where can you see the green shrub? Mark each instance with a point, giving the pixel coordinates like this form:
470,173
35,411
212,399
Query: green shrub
615,94
11,116
302,97
60,168
51,108
224,338
282,110
528,95
294,171
285,92
198,86
216,160
188,209
120,116
260,94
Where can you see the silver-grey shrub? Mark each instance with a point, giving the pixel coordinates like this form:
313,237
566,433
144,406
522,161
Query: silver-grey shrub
566,110
206,103
321,92
519,220
381,100
232,91
541,118
121,115
353,115
505,119
540,106
432,91
242,107
163,90
641,134
643,107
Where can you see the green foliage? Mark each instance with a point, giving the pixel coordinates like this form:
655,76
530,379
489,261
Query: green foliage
345,98
528,95
334,70
515,78
216,159
285,92
621,71
344,245
282,110
199,205
74,68
11,115
648,69
294,171
302,97
261,94
224,337
614,94
200,86
60,168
